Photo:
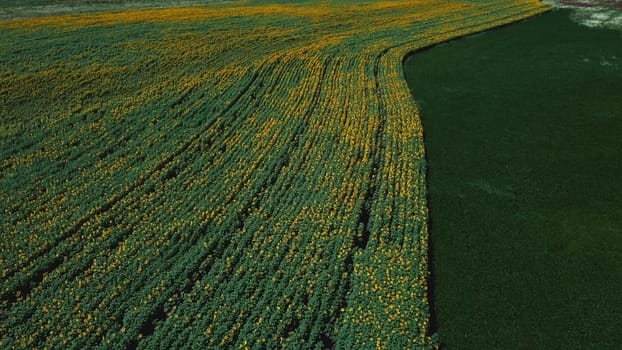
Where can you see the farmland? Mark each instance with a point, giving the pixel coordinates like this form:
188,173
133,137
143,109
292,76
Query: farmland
524,185
226,176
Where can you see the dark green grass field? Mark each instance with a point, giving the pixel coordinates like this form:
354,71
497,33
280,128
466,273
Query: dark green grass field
523,129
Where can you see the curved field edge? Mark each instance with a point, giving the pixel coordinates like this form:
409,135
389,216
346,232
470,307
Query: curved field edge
237,176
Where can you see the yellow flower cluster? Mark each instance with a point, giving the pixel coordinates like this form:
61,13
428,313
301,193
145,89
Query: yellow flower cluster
227,176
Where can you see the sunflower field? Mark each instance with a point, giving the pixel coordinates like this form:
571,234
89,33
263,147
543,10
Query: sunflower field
236,175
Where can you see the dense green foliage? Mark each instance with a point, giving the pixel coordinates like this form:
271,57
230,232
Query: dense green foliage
217,177
523,133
